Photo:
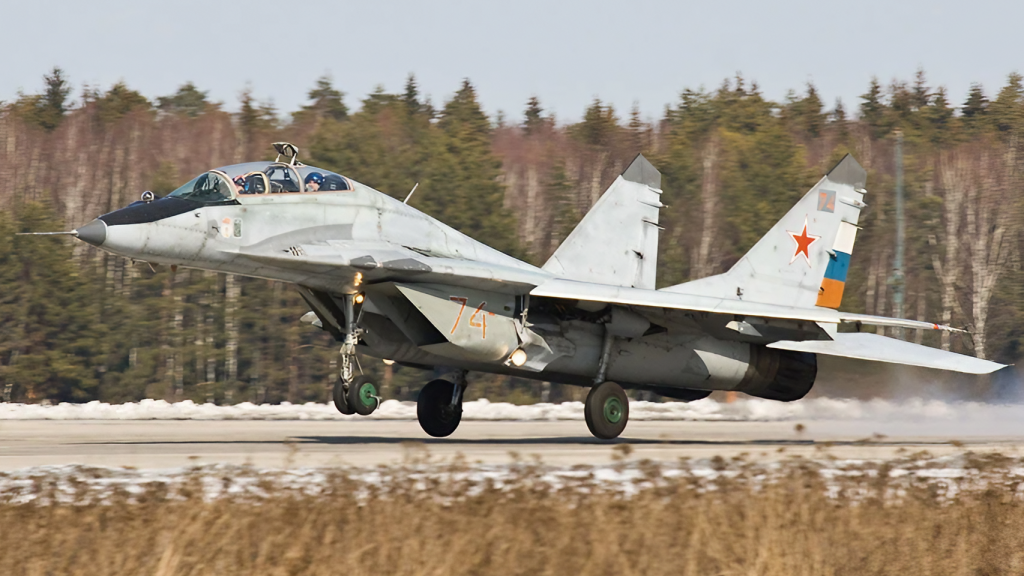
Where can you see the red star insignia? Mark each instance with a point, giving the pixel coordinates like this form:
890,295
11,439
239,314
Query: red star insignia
803,243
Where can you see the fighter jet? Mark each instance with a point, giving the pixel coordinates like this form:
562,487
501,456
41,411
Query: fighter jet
390,282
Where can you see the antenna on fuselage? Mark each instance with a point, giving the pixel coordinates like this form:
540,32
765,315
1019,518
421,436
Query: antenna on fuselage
406,201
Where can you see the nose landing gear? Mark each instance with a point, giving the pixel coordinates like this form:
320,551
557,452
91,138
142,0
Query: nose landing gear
353,394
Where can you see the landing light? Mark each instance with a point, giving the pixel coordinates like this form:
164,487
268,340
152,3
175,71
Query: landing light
359,298
518,357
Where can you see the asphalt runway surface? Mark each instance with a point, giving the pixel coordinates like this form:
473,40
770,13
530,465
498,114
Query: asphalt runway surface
170,443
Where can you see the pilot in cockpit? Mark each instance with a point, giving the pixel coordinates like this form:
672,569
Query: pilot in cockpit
239,183
313,181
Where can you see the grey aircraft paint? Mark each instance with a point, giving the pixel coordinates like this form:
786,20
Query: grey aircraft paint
431,297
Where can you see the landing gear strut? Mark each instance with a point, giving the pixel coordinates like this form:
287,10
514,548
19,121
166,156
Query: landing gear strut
607,407
439,406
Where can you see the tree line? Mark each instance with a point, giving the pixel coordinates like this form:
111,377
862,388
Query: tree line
77,324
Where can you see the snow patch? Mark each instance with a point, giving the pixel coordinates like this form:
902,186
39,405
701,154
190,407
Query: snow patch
482,410
946,476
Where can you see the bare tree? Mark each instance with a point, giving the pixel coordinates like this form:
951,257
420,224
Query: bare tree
990,227
704,260
954,170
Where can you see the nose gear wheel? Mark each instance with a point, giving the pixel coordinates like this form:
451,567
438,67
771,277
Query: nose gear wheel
340,396
362,395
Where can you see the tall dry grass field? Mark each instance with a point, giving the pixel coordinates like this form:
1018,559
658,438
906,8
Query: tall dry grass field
794,521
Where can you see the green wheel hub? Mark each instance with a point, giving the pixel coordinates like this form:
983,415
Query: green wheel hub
367,394
613,410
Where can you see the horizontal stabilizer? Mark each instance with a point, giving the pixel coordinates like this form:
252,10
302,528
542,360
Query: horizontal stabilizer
867,346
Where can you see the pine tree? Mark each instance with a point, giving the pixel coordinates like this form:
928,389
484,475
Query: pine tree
254,120
48,109
921,95
599,125
473,199
534,120
325,102
1007,110
936,117
976,104
187,101
807,113
873,110
412,94
837,119
639,132
119,101
52,311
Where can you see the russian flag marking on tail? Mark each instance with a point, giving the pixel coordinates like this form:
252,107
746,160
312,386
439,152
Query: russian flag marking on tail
830,295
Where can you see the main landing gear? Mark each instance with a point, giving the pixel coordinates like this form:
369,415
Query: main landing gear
607,407
439,406
606,410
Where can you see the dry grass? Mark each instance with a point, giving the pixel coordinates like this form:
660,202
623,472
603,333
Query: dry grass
795,523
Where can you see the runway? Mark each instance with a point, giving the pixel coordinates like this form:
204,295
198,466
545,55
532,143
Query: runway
176,443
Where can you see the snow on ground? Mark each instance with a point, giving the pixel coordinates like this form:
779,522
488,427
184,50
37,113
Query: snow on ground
706,410
945,477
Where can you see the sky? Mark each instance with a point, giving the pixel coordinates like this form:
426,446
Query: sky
565,53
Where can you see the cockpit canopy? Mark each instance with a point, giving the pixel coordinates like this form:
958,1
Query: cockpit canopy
227,183
280,178
209,188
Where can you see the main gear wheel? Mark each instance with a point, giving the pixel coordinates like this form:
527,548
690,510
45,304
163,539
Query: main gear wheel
606,410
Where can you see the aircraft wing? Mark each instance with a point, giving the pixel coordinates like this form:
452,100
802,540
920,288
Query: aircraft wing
862,346
571,289
865,346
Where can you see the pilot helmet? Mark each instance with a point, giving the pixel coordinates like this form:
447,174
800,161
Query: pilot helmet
314,177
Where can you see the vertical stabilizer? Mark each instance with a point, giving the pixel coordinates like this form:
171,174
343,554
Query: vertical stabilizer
803,260
617,241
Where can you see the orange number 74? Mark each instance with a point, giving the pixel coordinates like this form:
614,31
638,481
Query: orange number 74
479,312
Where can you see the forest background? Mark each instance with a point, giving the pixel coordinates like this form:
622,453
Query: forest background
77,324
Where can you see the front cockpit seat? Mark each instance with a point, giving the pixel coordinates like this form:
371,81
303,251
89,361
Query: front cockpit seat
255,183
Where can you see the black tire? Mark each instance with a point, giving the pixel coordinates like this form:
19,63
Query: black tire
362,395
340,400
437,416
606,410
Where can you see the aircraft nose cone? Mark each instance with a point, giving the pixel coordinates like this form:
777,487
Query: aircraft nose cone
94,232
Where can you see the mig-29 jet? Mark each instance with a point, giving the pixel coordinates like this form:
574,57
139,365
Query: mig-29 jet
391,282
